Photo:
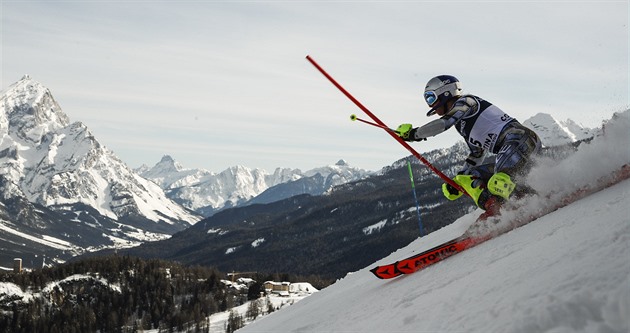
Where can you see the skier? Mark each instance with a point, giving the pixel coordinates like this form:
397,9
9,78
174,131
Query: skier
486,128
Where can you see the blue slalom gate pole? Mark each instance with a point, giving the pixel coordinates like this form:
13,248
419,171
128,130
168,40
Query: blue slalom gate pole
415,197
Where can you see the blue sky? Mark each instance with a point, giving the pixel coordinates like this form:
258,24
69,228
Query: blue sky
217,83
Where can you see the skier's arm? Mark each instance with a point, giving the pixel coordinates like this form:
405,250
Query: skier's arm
427,130
435,127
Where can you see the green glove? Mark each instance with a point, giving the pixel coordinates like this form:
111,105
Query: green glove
404,131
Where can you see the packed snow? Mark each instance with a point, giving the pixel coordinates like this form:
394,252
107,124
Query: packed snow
565,272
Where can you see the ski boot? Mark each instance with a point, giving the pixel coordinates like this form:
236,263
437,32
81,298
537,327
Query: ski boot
489,196
499,189
491,204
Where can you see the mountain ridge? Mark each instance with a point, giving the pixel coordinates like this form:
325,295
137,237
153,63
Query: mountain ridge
207,192
57,181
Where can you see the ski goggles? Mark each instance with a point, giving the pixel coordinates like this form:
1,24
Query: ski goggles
430,97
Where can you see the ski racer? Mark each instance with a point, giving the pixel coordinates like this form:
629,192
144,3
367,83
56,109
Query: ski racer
486,128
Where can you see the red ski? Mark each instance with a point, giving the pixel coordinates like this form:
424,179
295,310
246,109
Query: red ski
426,258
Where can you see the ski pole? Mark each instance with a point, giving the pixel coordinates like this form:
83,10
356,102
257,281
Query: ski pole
354,117
415,197
379,122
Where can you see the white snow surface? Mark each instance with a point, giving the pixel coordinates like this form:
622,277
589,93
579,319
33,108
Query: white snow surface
568,271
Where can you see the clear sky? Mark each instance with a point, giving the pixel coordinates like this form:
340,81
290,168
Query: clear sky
222,83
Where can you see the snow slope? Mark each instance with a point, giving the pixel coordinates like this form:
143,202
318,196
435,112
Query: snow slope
568,271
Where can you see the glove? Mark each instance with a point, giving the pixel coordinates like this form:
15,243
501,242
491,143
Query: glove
405,131
450,192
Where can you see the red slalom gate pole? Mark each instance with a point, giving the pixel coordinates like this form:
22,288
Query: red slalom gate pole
392,134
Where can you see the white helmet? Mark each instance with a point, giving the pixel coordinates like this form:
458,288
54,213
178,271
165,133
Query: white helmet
439,90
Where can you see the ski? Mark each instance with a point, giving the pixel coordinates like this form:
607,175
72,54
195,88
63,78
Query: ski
486,229
426,258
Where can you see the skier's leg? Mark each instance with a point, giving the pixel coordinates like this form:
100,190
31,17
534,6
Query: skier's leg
514,159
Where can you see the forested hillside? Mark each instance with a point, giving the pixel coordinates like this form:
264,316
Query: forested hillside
121,294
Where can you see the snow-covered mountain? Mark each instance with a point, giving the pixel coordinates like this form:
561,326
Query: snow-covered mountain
568,271
207,192
48,161
555,133
56,163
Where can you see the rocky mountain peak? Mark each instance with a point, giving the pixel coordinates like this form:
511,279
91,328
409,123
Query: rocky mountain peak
56,162
28,111
167,163
554,133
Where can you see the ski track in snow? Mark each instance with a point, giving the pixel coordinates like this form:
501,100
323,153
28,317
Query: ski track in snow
568,271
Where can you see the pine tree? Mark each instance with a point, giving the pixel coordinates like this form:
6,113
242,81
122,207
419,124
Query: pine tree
235,321
253,310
